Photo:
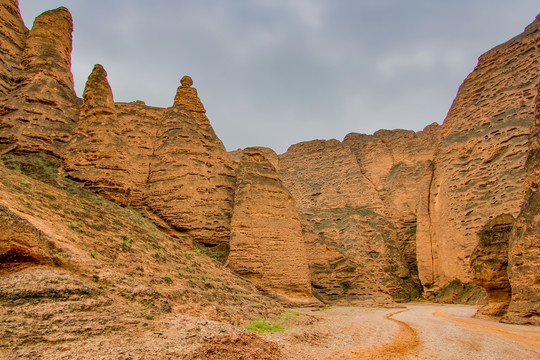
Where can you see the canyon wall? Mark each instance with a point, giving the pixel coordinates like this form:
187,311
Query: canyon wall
345,214
478,167
371,218
524,244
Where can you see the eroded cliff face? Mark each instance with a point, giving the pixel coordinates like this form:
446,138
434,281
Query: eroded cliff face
479,165
168,160
12,41
363,220
352,244
96,152
524,246
191,181
489,264
41,109
399,164
266,245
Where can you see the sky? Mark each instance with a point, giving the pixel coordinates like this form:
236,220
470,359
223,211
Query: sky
277,72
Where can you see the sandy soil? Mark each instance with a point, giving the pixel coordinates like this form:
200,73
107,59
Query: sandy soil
417,331
420,331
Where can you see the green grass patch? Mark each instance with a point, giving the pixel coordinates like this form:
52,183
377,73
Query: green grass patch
261,326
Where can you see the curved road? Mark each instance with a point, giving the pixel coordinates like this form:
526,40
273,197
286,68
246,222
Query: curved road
420,331
449,332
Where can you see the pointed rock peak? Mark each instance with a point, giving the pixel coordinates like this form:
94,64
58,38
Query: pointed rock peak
97,92
187,98
49,44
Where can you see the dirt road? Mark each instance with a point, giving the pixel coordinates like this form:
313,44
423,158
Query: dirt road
419,331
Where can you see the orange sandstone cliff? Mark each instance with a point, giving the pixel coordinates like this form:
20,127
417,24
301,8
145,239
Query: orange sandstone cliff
370,219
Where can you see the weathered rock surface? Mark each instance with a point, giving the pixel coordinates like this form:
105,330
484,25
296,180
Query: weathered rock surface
168,160
399,164
191,180
42,109
12,40
96,153
189,184
266,245
378,213
269,154
479,165
356,253
524,247
489,263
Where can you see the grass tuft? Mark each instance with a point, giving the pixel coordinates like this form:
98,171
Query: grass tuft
261,326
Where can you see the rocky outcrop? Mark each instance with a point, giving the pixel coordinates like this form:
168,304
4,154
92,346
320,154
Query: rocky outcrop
524,247
188,185
375,215
489,262
168,160
21,244
479,165
42,109
269,154
191,179
345,213
96,152
399,164
266,245
12,40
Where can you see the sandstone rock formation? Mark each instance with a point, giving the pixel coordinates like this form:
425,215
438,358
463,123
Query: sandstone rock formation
189,184
168,160
96,154
489,263
41,111
399,164
357,244
12,40
266,235
479,165
360,220
191,179
524,247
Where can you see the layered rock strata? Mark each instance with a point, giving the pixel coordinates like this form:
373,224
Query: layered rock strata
489,263
266,245
12,41
353,245
168,160
96,153
399,164
188,184
191,180
479,165
41,110
524,247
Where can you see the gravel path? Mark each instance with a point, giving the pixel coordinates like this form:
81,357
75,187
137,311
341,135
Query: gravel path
421,331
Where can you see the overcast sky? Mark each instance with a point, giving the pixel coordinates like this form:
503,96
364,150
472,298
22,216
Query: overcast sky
277,72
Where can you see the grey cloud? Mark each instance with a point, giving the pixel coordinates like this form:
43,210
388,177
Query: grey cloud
276,72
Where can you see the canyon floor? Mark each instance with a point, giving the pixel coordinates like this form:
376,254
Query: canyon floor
418,331
414,331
